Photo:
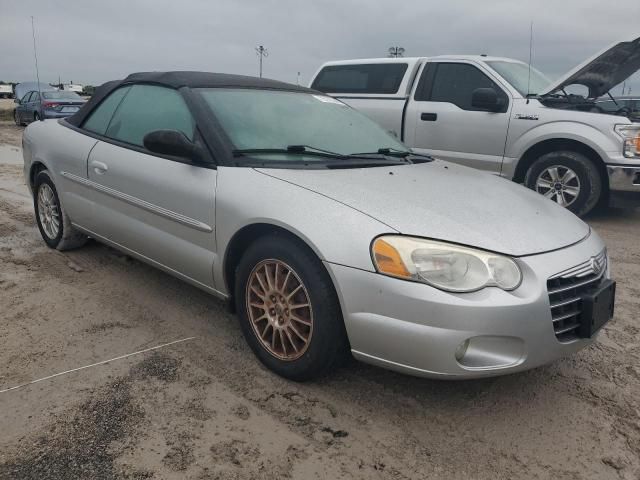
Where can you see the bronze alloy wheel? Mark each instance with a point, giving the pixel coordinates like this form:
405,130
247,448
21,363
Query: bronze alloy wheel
279,309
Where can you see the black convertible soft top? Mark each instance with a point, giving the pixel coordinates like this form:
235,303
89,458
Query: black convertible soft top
179,80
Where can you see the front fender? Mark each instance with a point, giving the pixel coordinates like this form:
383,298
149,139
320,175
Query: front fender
584,133
336,232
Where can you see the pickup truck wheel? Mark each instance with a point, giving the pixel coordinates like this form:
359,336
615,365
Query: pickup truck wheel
53,222
289,311
568,178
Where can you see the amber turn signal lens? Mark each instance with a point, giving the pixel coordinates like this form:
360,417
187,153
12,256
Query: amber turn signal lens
388,260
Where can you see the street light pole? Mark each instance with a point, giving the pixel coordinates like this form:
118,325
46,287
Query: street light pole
261,52
395,52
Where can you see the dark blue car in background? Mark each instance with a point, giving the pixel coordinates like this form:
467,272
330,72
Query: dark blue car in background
54,104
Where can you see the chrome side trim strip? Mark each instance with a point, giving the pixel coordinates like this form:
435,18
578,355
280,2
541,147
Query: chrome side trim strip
150,207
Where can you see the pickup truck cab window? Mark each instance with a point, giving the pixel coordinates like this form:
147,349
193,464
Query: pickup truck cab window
381,78
455,83
147,108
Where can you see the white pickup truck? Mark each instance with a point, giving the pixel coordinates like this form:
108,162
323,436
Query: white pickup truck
499,115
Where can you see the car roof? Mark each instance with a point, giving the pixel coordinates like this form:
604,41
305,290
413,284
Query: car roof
180,79
477,58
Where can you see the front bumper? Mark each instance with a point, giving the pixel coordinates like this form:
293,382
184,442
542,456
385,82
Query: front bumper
416,329
624,185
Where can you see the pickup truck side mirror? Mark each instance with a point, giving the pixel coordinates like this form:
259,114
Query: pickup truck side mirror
175,144
486,99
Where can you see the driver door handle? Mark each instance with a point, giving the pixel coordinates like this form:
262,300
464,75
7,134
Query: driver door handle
99,167
429,117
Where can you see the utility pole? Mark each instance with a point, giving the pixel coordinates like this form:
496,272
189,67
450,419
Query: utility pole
298,79
262,53
395,52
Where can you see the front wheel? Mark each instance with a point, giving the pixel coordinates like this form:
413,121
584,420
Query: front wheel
568,178
289,311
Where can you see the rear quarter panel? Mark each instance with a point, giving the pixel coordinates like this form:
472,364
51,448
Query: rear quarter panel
59,149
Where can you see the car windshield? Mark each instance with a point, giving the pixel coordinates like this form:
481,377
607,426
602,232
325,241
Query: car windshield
61,95
271,120
517,74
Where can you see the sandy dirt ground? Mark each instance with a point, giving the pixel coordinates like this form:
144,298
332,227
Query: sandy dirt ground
205,408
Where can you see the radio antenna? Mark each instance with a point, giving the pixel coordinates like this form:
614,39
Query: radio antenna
530,55
35,56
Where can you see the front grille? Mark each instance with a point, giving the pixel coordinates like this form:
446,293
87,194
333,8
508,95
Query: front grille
565,294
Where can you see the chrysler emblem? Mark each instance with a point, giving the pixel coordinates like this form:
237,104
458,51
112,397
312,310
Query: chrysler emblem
595,265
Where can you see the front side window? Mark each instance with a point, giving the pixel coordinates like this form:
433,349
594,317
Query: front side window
26,97
99,119
147,108
267,119
455,83
384,78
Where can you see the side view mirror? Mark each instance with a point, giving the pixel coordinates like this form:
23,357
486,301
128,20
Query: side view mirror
16,100
486,99
175,144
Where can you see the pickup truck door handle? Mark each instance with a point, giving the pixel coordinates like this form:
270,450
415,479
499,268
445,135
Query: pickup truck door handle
99,167
429,117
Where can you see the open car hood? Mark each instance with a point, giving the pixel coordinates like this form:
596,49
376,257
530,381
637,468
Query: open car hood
603,71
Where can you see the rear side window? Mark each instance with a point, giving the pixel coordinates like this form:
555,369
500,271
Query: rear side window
455,83
147,108
384,78
99,119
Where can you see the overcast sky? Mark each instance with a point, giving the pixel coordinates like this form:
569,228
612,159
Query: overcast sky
91,41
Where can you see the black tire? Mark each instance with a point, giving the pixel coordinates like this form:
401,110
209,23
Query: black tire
328,345
20,123
67,237
36,117
591,188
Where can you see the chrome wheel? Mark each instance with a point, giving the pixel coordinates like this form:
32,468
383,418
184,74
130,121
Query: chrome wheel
560,184
279,309
48,211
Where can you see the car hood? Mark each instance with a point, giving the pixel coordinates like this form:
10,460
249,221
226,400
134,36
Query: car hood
603,71
448,202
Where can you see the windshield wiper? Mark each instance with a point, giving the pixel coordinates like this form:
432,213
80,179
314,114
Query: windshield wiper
393,152
291,149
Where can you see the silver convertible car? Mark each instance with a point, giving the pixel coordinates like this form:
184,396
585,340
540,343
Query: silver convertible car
325,233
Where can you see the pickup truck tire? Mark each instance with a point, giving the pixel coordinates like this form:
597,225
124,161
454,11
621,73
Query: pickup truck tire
53,222
569,178
288,308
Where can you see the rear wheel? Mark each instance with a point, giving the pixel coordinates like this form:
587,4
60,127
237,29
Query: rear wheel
36,117
288,309
53,222
568,178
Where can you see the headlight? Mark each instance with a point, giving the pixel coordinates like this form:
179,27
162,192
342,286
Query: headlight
631,137
443,265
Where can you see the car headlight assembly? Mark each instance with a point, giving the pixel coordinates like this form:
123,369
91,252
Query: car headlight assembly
445,266
631,140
